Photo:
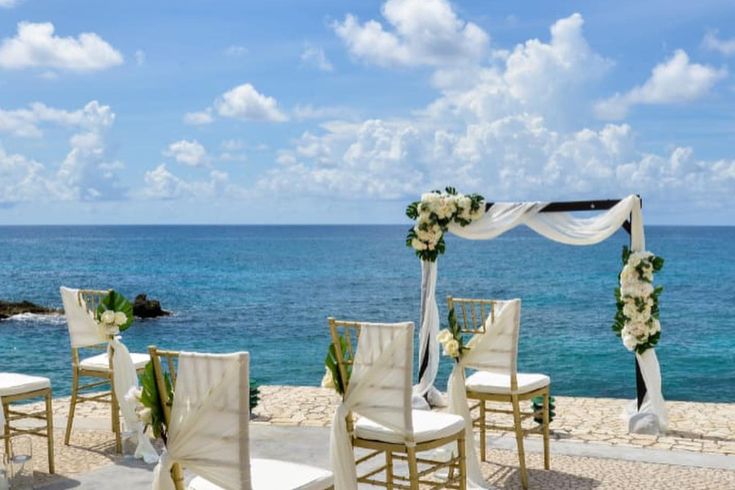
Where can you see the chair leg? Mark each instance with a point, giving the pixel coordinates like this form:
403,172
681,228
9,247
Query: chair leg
519,440
50,432
462,463
413,468
483,431
178,476
72,405
547,416
389,470
6,429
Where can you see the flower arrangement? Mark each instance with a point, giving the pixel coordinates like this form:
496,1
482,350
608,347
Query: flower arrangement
433,213
332,376
637,317
114,313
451,338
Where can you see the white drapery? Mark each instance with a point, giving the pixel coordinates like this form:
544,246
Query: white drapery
558,226
84,332
492,351
379,389
208,432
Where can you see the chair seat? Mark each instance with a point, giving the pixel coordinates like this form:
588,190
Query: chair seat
494,383
17,384
271,474
101,363
427,426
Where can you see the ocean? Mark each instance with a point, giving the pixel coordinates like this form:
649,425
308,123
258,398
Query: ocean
270,289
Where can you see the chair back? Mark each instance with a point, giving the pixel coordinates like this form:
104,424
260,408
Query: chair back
496,348
80,306
472,313
376,362
208,418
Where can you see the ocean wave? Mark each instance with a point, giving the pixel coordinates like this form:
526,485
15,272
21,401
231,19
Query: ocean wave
52,319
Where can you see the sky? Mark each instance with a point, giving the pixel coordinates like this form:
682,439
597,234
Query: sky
233,112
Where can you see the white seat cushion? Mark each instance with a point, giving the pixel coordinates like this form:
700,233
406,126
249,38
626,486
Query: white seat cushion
100,362
270,474
494,383
17,384
427,426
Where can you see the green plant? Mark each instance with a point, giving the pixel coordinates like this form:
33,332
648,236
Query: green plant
537,405
151,399
254,394
115,301
332,365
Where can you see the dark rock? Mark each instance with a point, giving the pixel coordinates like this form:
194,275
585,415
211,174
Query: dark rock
8,309
148,308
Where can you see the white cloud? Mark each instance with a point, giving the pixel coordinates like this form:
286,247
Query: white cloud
21,179
35,45
139,57
236,50
8,3
424,32
493,130
190,153
316,57
244,102
161,184
676,80
308,111
25,123
723,46
199,118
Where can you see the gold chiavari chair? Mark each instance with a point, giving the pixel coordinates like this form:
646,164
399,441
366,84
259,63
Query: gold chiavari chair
79,307
432,430
503,384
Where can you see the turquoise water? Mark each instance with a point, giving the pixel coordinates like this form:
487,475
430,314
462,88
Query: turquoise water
269,289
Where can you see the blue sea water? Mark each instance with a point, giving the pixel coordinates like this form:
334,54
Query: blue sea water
269,290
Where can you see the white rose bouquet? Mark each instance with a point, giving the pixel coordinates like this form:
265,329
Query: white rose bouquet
114,314
433,213
637,317
451,338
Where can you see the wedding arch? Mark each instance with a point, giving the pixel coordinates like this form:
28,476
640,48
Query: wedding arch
476,220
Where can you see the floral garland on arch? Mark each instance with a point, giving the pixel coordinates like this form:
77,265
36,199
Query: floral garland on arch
637,317
433,213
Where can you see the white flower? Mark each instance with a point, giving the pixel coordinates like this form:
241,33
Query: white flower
328,380
134,395
636,289
108,317
120,318
418,244
655,326
479,212
630,342
145,415
628,274
430,202
444,336
637,329
451,348
446,207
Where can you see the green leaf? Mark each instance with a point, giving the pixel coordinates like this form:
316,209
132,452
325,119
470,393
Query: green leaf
115,301
331,363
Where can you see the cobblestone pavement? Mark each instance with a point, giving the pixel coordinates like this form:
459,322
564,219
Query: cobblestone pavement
697,427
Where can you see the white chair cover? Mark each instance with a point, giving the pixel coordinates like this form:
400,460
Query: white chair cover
494,351
379,389
560,227
208,431
84,332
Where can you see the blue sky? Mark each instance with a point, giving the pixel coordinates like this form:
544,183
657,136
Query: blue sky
342,112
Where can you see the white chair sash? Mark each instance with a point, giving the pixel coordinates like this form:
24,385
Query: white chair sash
379,389
494,351
208,431
84,332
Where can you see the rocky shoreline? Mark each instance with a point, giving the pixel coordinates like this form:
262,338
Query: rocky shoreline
142,308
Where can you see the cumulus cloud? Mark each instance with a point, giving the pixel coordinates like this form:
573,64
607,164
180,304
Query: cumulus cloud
713,43
21,179
8,3
26,122
36,45
190,153
308,111
244,102
161,184
316,57
493,129
675,80
199,118
421,32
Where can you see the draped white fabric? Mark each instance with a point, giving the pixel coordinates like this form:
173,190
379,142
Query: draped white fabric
558,226
84,332
493,351
208,433
379,389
